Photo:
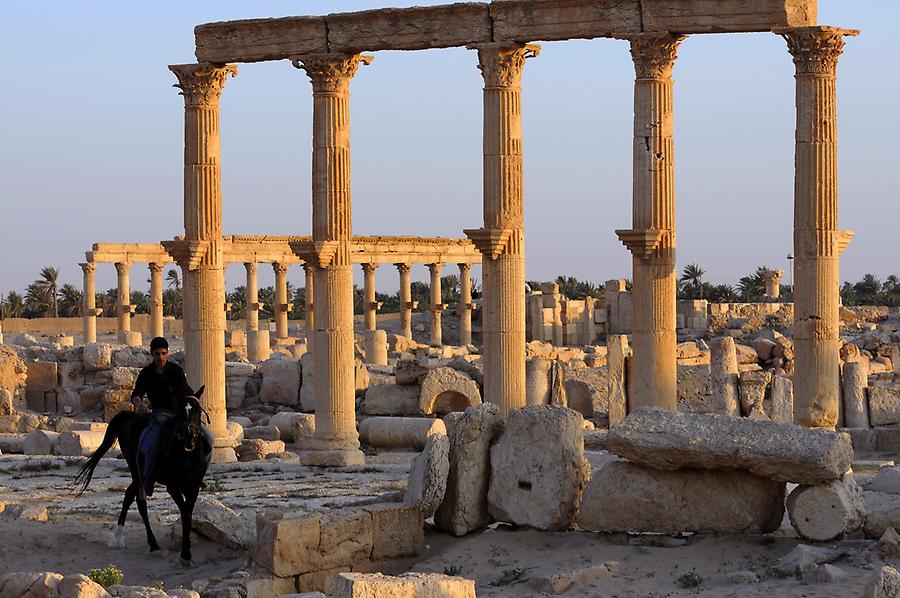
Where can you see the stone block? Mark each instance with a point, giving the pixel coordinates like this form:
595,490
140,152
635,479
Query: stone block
376,345
42,378
318,583
345,537
255,449
399,432
280,381
780,451
262,586
289,423
397,531
222,525
725,16
827,511
287,545
30,584
626,497
781,400
71,374
854,393
888,439
538,469
885,583
884,405
409,585
116,401
391,399
415,28
464,508
753,386
12,443
428,475
131,339
444,390
78,443
40,442
409,371
864,440
97,356
582,397
617,352
537,381
882,512
124,378
258,345
308,388
236,430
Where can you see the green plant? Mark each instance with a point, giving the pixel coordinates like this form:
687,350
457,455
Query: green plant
368,450
453,570
215,484
109,575
159,585
777,572
510,576
691,579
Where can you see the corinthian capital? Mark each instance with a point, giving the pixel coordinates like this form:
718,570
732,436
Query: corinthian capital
654,54
330,73
501,63
201,84
815,49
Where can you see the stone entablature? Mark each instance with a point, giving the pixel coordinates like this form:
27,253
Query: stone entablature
469,23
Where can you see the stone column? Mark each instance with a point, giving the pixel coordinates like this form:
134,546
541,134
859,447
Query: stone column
436,307
772,279
123,299
465,304
652,238
369,304
200,252
156,300
335,441
501,240
89,299
817,240
251,297
405,301
282,305
309,271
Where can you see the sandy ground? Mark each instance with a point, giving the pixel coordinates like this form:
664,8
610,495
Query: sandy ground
502,560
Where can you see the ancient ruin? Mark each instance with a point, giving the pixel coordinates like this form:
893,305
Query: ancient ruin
517,442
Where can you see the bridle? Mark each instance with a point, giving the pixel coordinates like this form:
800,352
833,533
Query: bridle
194,429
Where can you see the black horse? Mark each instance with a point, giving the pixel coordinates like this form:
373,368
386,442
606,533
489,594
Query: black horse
183,460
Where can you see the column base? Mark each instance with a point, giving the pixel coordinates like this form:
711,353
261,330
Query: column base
332,458
224,454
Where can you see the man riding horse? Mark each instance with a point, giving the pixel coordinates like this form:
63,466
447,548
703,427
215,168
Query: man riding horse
161,381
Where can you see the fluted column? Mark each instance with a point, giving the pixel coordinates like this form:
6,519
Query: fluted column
501,241
200,252
817,241
281,300
652,238
436,307
370,306
336,441
89,303
406,304
156,299
465,304
123,299
251,297
309,272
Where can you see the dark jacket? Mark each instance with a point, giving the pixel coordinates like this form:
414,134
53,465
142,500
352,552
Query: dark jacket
162,388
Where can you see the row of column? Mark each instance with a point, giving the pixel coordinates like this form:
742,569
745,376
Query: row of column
501,237
817,240
124,309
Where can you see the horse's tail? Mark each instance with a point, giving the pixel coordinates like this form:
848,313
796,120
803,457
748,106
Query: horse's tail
84,475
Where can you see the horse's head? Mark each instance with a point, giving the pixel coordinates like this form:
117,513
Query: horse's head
190,414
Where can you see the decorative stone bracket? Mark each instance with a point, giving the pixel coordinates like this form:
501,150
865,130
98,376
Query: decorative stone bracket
376,305
320,254
438,307
284,306
842,238
187,254
491,242
228,306
96,312
410,305
254,306
125,308
641,242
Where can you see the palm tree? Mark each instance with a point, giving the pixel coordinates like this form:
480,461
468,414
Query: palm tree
174,282
13,305
172,303
38,300
449,288
753,287
71,300
693,276
141,302
867,290
848,296
722,293
238,300
48,278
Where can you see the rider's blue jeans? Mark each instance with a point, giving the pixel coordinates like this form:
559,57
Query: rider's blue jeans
159,424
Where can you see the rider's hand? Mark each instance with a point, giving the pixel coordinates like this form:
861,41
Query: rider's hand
139,407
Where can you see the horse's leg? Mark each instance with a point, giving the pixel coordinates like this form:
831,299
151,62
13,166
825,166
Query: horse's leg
190,499
142,509
119,536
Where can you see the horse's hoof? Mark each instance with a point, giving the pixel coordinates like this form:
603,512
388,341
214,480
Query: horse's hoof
186,563
154,548
118,539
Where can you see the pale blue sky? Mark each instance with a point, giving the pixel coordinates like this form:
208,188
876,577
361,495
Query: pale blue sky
91,142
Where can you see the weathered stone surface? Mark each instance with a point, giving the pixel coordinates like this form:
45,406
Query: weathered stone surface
584,577
885,583
391,399
428,475
464,508
308,387
882,512
222,525
78,443
723,369
30,585
538,469
827,511
781,400
255,448
617,352
286,544
281,381
854,389
725,16
409,371
13,374
40,442
97,356
803,560
42,379
12,443
753,391
444,390
886,480
345,538
780,451
399,432
626,497
537,381
79,586
397,530
884,405
581,396
289,422
252,40
409,585
549,20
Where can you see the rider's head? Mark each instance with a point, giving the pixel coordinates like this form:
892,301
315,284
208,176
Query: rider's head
159,349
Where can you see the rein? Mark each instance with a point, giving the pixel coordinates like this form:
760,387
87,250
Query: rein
195,431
